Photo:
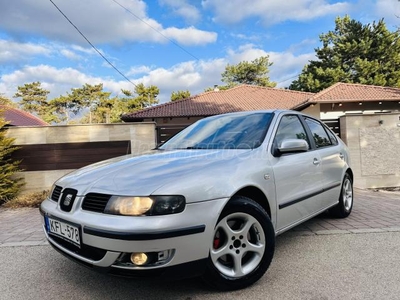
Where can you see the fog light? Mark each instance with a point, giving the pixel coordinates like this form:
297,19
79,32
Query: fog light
139,259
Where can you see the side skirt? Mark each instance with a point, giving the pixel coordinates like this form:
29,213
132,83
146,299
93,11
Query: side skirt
282,230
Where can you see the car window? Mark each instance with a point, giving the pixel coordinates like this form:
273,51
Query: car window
332,136
320,136
236,131
290,127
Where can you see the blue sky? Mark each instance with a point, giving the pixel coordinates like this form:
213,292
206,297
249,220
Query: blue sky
173,44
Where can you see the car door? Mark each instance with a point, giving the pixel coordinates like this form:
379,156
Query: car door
297,175
332,160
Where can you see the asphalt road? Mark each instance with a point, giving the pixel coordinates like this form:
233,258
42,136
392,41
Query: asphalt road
344,266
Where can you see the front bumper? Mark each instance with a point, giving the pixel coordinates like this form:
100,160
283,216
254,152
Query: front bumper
106,238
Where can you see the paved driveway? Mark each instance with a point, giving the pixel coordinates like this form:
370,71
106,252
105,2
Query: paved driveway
372,212
323,258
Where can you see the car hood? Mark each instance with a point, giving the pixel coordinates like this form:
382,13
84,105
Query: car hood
143,175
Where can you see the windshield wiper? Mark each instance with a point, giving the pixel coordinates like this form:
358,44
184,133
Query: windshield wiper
194,147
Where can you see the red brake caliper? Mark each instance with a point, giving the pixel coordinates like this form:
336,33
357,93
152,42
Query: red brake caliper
216,243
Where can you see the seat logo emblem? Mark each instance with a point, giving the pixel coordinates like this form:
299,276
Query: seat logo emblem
68,199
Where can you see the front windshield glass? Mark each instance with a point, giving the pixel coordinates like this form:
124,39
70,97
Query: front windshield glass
237,131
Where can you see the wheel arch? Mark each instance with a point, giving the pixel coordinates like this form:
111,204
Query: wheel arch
350,172
256,195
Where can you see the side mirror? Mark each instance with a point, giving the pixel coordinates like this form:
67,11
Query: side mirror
292,145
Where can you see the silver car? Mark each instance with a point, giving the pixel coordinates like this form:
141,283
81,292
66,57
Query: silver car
208,202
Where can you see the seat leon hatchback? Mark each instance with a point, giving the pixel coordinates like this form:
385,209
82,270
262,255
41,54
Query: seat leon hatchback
207,203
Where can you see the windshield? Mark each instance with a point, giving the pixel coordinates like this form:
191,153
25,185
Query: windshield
236,131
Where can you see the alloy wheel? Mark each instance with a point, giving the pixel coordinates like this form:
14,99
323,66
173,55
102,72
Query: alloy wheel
238,246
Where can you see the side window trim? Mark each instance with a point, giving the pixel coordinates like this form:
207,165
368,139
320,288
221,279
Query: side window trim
313,146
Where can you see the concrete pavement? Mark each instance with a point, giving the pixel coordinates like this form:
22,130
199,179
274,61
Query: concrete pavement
372,212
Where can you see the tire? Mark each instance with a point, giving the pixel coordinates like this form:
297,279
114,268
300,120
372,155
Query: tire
242,247
345,205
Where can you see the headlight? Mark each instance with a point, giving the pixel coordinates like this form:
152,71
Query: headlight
149,206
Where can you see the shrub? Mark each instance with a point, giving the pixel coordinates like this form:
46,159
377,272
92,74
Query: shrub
10,184
27,200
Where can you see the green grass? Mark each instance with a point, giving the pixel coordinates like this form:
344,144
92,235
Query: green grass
26,200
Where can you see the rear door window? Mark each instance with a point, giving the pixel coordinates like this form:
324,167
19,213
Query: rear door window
319,134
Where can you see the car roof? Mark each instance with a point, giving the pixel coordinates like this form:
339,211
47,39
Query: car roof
250,112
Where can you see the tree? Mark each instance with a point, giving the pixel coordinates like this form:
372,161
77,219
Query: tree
9,183
179,95
146,96
109,110
353,53
34,100
254,73
6,101
62,107
217,88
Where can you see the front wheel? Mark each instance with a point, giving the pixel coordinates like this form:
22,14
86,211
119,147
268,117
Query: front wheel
345,205
242,247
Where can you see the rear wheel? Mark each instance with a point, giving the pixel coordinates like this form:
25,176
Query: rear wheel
345,205
243,245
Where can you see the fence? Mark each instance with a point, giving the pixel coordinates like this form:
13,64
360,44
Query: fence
49,152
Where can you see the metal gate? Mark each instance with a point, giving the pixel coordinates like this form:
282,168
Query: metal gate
334,125
165,132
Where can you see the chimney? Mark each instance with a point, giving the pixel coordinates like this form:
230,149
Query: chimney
216,89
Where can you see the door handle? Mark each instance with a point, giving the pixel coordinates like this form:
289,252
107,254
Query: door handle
341,155
316,161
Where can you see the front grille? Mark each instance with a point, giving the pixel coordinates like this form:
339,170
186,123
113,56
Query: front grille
86,251
95,202
55,195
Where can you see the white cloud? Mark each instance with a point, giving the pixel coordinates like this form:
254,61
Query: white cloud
246,37
14,52
389,10
190,36
194,76
286,65
102,21
138,70
273,11
58,81
70,54
17,53
183,9
90,51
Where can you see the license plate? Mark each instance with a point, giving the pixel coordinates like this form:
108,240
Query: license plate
63,230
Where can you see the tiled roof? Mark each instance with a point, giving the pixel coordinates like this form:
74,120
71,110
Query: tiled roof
350,92
17,117
240,98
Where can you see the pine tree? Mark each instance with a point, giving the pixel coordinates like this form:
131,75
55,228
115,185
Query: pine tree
353,53
10,184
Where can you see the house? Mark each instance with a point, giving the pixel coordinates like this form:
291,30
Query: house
328,105
349,98
173,116
17,117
